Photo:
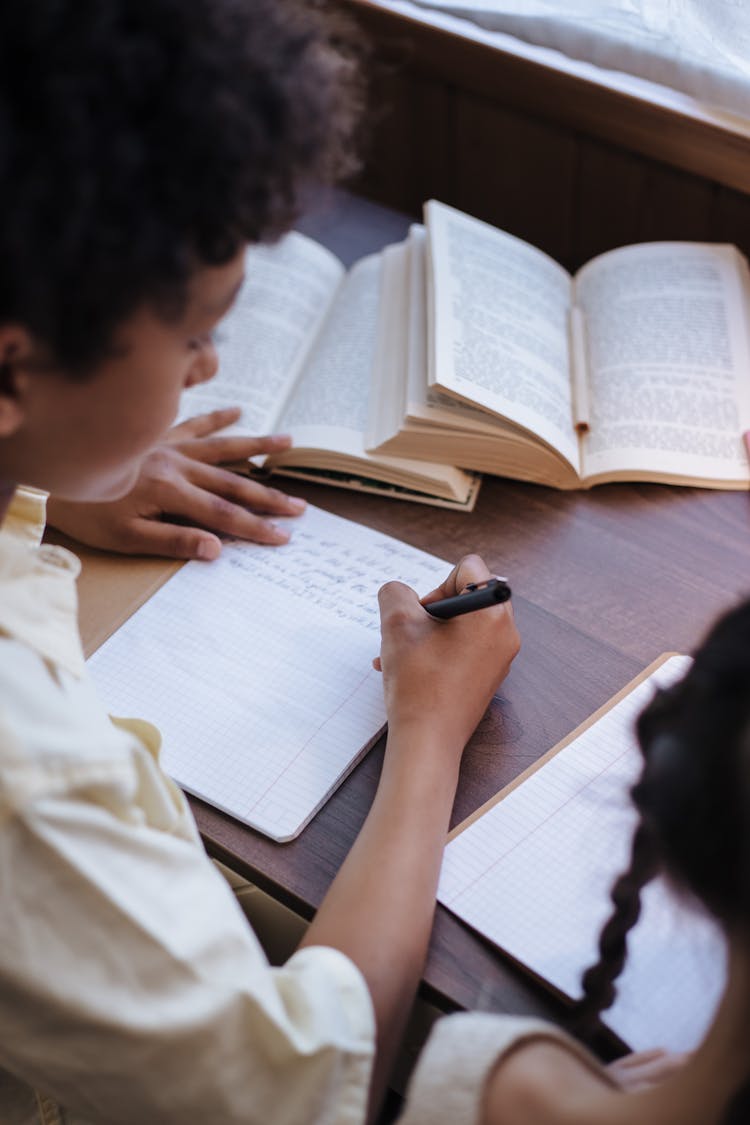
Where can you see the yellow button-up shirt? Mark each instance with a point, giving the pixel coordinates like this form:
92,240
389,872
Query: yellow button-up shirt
132,989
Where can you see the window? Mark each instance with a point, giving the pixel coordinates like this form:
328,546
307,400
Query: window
699,47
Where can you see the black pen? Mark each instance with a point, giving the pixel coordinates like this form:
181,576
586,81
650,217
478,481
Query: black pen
477,595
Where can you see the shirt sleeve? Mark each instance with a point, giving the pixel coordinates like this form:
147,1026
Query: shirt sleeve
461,1053
133,989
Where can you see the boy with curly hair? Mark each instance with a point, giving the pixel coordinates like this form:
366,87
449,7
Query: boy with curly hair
143,145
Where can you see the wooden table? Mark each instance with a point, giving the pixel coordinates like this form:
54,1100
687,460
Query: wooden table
603,582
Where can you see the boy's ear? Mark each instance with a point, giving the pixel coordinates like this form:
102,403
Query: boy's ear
15,354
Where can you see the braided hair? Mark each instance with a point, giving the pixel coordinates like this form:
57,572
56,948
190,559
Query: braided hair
693,797
598,982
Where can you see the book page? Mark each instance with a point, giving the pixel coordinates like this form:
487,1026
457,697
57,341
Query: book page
668,361
426,403
328,409
263,340
257,670
500,326
399,392
387,394
533,874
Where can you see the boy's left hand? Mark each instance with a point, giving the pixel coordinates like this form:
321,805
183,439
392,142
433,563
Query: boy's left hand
183,494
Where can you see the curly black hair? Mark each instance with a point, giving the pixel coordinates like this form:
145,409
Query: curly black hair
140,139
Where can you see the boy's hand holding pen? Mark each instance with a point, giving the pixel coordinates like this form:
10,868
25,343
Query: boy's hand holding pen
438,680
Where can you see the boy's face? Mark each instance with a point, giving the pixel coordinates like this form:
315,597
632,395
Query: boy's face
86,440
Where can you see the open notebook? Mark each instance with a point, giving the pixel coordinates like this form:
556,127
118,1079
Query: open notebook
533,868
257,668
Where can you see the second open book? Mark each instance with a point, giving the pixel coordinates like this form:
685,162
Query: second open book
635,368
465,346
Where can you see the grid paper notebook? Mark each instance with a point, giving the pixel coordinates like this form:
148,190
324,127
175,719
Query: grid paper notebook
257,668
533,870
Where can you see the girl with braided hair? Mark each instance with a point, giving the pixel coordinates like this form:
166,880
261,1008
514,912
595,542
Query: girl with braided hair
693,797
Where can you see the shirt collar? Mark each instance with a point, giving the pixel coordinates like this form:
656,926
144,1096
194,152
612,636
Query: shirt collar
38,597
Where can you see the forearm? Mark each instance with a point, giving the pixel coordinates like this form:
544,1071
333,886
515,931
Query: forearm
380,907
438,678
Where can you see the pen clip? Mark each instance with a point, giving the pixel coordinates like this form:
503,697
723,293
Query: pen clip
485,585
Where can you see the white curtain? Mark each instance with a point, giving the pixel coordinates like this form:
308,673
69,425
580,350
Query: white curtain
700,47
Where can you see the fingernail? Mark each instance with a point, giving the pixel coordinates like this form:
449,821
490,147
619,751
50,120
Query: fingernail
296,503
208,549
281,439
277,534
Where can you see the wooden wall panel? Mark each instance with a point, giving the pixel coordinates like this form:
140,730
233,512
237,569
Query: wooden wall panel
674,205
731,218
515,172
409,145
568,194
610,188
621,198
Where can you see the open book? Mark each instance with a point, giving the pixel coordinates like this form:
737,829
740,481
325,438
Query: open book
296,353
257,668
532,871
636,368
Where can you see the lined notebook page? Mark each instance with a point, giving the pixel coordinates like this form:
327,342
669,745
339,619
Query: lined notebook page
533,874
257,668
